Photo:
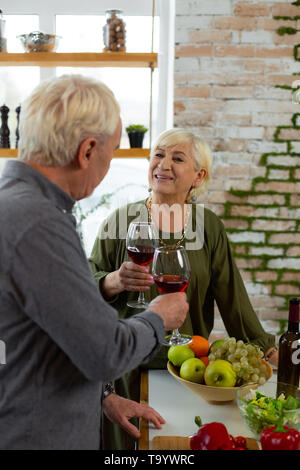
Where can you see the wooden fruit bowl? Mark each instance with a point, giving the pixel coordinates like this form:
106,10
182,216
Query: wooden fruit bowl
217,395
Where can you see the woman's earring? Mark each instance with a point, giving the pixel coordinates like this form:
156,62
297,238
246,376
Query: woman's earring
149,190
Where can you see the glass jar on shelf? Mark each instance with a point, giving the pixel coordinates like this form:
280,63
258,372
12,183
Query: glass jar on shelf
2,33
114,32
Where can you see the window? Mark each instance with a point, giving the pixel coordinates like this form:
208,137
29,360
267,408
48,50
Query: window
80,25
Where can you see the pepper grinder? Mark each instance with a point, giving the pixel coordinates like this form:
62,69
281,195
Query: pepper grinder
18,109
4,130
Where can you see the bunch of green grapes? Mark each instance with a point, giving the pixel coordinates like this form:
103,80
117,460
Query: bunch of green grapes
245,359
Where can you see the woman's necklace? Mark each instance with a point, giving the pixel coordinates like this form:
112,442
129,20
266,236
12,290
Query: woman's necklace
186,219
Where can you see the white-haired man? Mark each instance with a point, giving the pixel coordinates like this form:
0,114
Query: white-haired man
63,341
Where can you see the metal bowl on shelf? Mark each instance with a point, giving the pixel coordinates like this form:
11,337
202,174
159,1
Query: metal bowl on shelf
39,42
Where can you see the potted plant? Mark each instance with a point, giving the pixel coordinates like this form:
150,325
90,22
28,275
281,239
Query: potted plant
136,134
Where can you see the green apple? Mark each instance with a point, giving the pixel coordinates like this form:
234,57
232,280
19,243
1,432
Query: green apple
220,373
192,370
178,354
215,345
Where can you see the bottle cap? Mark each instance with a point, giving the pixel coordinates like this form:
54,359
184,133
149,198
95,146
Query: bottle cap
294,310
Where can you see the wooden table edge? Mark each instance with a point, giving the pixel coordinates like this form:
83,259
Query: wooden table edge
143,443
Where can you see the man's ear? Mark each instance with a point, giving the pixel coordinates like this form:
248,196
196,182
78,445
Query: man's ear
85,151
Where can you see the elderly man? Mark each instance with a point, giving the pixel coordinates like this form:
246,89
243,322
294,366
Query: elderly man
63,341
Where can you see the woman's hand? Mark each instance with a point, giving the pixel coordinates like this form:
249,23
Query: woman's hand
133,277
130,277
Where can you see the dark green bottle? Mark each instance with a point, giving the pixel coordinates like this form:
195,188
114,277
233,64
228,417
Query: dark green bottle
289,352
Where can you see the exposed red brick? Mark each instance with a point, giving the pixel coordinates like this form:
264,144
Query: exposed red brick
278,186
241,211
285,9
274,52
252,9
262,276
240,249
236,23
283,238
297,174
269,24
265,65
234,51
290,276
178,106
192,119
293,251
192,91
193,51
236,223
275,79
210,37
248,263
287,289
289,134
232,91
295,200
290,39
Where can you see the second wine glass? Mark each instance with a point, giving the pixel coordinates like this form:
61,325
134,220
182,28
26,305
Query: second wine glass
141,241
171,273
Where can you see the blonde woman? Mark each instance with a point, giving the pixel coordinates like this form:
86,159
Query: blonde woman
179,171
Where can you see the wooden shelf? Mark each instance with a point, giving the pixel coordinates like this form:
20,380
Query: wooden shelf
78,59
8,153
120,153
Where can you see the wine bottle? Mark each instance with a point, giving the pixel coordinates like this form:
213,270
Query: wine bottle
289,342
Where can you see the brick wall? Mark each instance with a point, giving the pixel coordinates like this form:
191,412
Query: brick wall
233,77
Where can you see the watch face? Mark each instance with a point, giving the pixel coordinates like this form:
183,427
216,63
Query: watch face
108,389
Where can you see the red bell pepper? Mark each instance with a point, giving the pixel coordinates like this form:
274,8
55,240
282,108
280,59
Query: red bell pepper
280,438
210,436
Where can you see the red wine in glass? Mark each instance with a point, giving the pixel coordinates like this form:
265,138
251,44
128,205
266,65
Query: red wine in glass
171,273
169,283
141,254
141,242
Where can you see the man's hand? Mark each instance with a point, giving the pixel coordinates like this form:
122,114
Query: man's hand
172,308
120,410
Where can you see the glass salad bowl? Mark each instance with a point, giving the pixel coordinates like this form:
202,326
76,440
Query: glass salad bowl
261,406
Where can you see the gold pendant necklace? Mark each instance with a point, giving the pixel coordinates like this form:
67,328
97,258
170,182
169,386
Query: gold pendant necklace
162,242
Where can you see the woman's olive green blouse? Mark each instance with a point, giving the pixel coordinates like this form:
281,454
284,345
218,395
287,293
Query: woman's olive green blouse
214,277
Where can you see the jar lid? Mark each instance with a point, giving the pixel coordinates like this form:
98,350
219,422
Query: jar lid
114,11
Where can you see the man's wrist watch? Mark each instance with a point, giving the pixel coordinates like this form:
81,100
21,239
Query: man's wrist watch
270,353
107,390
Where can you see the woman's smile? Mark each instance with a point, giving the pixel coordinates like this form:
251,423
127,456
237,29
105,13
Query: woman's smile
163,178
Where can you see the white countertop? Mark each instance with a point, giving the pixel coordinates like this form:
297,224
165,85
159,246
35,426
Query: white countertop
179,406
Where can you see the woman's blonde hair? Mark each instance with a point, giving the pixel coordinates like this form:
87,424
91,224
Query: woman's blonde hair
60,114
201,154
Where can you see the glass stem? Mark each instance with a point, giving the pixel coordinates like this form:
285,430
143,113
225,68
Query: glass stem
175,334
141,298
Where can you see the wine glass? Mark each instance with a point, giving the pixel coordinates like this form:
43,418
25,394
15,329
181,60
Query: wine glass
141,241
171,273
